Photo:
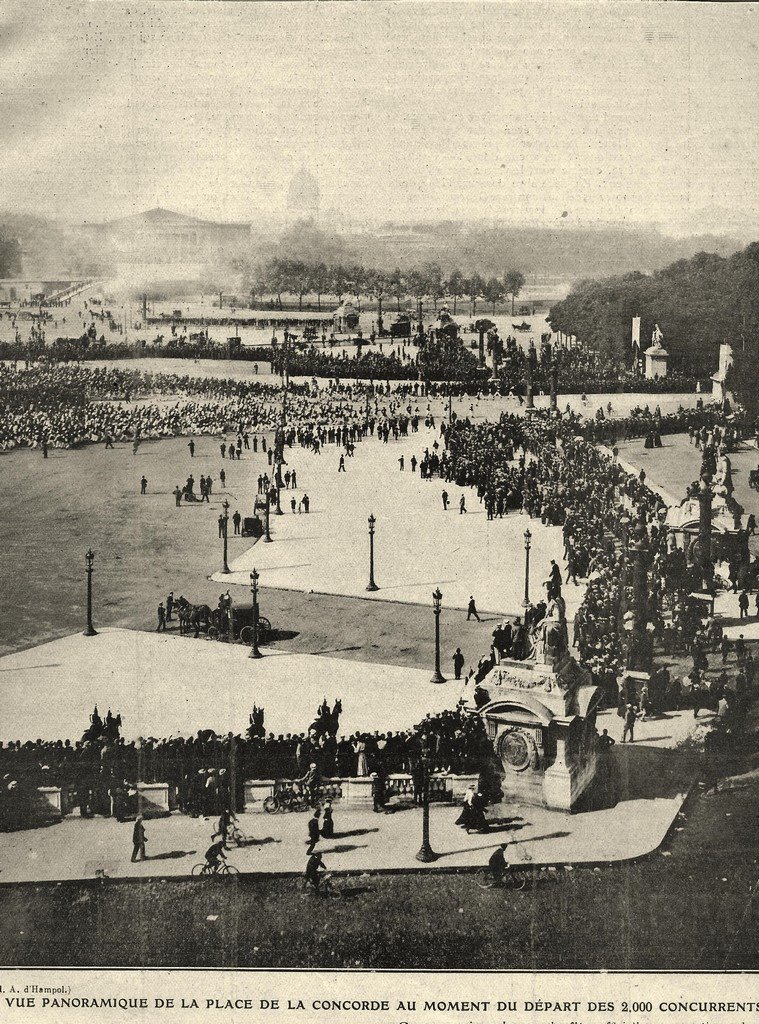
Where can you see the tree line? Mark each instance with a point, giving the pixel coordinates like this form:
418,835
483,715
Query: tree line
698,303
282,276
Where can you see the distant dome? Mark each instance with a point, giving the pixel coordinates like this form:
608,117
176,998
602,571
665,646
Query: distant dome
303,194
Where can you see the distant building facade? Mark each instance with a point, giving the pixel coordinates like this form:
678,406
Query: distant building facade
164,237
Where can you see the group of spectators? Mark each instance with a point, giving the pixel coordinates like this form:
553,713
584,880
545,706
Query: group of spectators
98,774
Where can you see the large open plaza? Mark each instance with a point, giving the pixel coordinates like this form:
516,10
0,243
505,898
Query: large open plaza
379,457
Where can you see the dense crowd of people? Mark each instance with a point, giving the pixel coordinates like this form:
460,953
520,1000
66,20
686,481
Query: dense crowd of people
67,405
98,774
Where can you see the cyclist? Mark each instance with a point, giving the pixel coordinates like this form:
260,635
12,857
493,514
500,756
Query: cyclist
497,865
310,783
227,822
314,865
213,853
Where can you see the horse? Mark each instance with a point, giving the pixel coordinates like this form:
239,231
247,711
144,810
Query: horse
327,722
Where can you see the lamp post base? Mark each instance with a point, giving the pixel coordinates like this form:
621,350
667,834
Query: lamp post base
90,631
426,854
255,653
438,677
372,586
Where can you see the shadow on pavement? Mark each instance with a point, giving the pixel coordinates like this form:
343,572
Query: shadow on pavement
171,855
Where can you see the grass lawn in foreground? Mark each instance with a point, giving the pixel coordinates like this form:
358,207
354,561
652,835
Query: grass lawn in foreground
689,906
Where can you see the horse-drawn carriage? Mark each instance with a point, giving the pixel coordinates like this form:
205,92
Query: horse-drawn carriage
753,479
231,625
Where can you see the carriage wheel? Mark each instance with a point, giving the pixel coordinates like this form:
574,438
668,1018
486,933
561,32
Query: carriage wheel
213,633
271,804
246,635
264,629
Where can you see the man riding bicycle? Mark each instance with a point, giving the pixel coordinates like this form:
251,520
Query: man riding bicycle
227,822
213,853
314,865
498,866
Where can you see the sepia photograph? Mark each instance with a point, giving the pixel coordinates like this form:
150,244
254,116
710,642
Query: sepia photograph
379,482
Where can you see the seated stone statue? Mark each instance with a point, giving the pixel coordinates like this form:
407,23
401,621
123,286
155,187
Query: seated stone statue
550,636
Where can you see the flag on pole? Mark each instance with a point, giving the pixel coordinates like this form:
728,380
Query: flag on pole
636,332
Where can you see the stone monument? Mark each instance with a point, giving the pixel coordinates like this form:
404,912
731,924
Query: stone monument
540,716
719,379
656,355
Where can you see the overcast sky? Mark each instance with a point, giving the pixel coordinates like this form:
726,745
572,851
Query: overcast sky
402,111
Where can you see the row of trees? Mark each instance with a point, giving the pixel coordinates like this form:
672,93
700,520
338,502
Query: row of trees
280,276
10,255
698,303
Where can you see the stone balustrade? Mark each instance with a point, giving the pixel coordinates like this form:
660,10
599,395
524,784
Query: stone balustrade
156,800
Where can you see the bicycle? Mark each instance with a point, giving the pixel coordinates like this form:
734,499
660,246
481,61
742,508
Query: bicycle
289,797
219,868
235,837
326,889
514,878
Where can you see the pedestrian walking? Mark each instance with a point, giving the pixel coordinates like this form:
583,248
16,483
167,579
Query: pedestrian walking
223,478
472,610
161,627
178,495
462,505
191,446
458,663
169,605
138,840
237,519
445,501
313,832
328,825
631,714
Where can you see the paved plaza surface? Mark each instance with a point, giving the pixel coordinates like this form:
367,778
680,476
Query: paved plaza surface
171,685
76,848
418,545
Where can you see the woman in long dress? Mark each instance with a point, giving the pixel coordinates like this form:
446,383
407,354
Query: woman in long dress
359,748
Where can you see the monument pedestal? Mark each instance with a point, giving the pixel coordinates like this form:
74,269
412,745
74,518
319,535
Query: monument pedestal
541,720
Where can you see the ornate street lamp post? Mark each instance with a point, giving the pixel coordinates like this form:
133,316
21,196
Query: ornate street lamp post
254,651
426,853
267,534
225,506
89,558
372,584
437,598
527,544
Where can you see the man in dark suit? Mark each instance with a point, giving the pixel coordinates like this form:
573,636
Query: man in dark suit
138,840
313,832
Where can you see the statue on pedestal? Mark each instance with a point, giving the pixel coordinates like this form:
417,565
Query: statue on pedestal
550,636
